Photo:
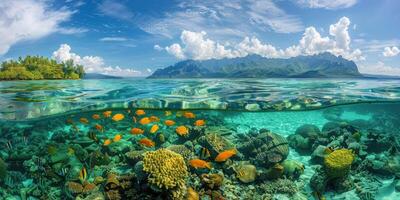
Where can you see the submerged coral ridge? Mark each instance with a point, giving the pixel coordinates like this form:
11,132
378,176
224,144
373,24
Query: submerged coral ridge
197,155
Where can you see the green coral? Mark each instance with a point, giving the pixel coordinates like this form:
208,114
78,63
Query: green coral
338,163
166,169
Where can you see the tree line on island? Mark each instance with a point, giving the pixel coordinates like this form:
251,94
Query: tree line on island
40,68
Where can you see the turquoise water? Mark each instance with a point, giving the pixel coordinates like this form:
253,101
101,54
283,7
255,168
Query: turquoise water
75,139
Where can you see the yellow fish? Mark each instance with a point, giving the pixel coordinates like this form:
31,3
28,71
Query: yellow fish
140,112
117,138
189,115
107,142
118,117
200,122
168,113
169,122
96,116
107,114
137,131
182,130
144,121
84,120
154,128
154,119
83,174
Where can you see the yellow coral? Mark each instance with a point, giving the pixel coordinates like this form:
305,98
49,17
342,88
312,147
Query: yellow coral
166,169
338,162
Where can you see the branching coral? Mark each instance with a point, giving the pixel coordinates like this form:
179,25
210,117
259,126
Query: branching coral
166,169
338,163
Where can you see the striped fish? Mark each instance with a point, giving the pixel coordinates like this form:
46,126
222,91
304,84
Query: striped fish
92,135
83,174
204,153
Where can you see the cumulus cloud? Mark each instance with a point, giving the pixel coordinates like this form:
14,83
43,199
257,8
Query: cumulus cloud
24,20
390,51
379,68
93,64
158,47
327,4
196,45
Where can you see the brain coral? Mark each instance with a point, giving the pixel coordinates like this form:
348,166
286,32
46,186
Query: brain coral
338,163
166,169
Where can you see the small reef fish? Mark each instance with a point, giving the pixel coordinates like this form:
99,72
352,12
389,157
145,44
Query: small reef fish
154,119
144,121
83,174
192,194
96,116
99,127
69,121
140,112
200,122
161,138
169,122
9,145
199,164
328,150
225,155
118,117
189,115
182,130
93,136
107,142
147,142
71,151
117,138
154,128
107,114
168,113
137,131
204,153
134,120
84,120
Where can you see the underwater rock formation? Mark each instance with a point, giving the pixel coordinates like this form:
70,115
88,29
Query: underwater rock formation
304,138
265,148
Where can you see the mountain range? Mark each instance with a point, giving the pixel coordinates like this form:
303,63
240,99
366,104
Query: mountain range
324,65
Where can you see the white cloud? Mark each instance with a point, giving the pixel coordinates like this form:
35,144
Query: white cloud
94,64
327,4
158,47
375,46
116,10
390,51
196,45
24,20
113,39
379,68
221,19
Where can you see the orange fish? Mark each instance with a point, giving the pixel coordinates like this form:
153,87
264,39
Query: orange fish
96,116
99,127
200,122
147,142
154,119
107,142
117,138
154,128
169,122
189,115
84,120
225,155
137,131
140,112
107,114
118,117
182,130
199,164
144,121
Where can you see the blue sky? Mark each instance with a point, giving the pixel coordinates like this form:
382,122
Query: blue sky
134,37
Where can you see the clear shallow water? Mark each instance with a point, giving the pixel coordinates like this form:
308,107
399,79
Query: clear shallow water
50,133
31,99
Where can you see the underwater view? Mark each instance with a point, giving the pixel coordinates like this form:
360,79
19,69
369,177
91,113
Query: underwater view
200,139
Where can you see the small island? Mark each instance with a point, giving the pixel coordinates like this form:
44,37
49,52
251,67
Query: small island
40,68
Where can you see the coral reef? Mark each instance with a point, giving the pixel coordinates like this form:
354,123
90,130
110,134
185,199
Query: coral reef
3,169
338,162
